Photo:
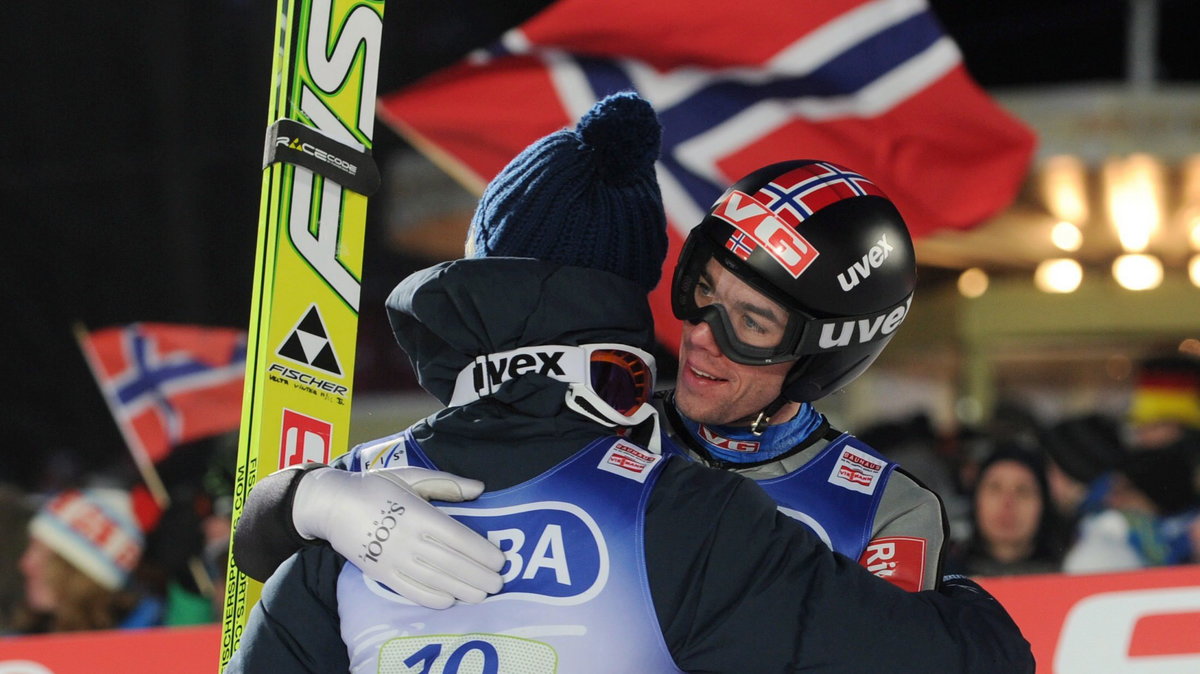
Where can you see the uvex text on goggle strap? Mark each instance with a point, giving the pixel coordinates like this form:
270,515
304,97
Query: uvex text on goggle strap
803,334
610,383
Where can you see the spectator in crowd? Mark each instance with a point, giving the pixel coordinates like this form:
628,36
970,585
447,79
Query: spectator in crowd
1082,453
84,546
190,544
1150,515
1014,525
14,520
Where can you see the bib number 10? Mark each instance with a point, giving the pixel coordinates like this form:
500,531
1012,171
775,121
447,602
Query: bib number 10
466,654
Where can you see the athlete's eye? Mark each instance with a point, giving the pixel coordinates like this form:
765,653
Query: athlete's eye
753,325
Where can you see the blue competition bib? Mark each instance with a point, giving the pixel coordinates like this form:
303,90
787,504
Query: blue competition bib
575,597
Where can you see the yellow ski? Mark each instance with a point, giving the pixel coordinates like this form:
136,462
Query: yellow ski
308,265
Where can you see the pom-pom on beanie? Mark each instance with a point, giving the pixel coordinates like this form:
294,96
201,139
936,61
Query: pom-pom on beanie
586,197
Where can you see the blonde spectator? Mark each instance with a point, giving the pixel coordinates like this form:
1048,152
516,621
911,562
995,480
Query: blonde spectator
83,548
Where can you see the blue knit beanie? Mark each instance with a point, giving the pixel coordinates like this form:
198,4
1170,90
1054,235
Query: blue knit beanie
586,197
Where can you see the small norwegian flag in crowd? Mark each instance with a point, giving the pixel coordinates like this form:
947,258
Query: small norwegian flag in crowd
874,85
167,384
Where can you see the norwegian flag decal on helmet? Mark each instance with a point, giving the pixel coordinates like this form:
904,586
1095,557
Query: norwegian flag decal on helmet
797,194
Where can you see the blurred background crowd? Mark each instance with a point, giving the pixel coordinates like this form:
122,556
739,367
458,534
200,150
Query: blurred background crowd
1088,493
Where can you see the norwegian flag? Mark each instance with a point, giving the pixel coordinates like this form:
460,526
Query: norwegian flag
741,244
166,384
873,85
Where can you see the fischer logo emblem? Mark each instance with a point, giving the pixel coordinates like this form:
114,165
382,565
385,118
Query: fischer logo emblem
862,330
332,53
861,270
779,239
722,442
314,151
308,344
303,439
857,471
628,461
487,375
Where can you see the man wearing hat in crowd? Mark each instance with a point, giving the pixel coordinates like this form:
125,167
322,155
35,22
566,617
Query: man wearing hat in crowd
1082,452
608,566
1141,506
83,548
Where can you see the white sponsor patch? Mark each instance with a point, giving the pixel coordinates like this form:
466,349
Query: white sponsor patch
628,460
856,470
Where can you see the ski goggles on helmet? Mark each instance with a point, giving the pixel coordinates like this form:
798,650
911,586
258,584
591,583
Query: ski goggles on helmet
610,383
749,322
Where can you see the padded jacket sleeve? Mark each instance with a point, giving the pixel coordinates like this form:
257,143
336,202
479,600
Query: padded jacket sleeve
294,626
743,588
265,535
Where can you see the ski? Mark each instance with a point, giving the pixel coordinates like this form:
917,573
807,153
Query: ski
317,175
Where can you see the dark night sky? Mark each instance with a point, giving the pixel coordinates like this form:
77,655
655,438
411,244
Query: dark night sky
129,174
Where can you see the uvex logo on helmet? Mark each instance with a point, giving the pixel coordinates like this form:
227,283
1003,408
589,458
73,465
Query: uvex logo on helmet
767,230
861,270
837,334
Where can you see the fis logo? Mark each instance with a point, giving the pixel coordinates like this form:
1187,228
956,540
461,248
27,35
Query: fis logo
862,330
780,240
555,552
861,270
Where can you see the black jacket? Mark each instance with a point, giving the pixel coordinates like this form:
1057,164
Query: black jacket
737,587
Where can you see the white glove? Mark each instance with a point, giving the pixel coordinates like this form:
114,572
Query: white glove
381,521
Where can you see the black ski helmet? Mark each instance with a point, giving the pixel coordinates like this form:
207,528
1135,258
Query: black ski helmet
823,242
